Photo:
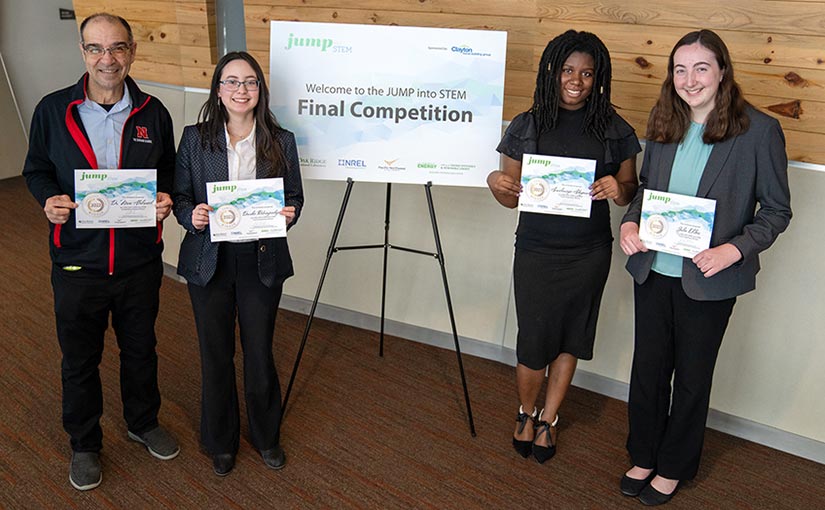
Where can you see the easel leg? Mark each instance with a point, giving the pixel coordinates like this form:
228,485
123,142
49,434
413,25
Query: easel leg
384,277
440,255
330,252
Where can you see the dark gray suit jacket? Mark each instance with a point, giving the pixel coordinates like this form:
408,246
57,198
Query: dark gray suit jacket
741,172
195,167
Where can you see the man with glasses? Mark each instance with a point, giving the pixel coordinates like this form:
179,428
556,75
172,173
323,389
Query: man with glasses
104,121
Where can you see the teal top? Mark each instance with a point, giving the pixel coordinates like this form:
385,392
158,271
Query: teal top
688,165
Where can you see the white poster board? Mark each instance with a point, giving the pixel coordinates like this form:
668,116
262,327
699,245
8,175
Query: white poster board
390,104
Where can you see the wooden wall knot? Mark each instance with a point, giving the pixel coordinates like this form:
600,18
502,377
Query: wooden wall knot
795,80
642,62
791,109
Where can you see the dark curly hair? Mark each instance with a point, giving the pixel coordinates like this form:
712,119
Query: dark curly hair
546,98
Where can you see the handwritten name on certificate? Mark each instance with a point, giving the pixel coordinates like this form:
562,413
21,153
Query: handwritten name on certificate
115,198
246,210
556,185
676,224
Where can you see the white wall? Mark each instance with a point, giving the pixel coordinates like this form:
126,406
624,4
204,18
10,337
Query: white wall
40,50
769,369
13,143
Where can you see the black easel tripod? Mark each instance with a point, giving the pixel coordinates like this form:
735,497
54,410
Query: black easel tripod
439,255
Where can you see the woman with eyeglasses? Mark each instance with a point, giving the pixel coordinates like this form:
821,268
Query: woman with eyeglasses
237,137
703,140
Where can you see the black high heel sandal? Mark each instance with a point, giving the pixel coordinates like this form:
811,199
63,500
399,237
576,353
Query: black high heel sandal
524,448
544,453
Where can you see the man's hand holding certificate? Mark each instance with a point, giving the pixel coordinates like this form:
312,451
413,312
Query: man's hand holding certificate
556,185
246,210
676,224
115,198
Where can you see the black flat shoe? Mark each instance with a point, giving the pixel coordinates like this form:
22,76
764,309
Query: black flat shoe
274,458
633,486
524,448
651,497
544,453
223,463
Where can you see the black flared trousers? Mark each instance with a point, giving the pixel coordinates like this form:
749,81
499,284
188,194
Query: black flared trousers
236,291
678,340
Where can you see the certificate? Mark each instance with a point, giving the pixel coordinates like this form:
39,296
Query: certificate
556,185
246,210
115,198
676,224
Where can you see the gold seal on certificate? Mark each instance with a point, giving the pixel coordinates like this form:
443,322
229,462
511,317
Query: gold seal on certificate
537,189
656,226
228,216
95,204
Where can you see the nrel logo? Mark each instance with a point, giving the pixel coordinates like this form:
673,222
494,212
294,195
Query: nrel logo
352,163
307,42
462,49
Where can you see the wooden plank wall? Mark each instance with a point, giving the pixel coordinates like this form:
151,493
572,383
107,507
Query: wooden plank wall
176,38
778,46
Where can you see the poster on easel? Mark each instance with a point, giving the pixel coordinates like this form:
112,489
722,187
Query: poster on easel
390,104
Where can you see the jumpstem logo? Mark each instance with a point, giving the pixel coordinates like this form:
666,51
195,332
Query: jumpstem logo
307,42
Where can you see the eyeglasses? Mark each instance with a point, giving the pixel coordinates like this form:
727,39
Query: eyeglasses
117,50
233,84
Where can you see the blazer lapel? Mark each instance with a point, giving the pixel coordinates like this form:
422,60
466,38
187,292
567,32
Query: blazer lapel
664,161
718,157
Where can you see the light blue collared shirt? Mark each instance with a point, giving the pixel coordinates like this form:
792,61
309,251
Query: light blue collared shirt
688,166
105,129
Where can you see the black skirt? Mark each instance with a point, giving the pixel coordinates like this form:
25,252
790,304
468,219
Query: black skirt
557,299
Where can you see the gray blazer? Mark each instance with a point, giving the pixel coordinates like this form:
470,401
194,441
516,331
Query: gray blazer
741,172
195,166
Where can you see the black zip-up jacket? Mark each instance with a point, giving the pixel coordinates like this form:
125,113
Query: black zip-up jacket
58,145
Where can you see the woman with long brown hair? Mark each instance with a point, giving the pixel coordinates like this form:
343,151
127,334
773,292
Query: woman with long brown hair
236,138
703,140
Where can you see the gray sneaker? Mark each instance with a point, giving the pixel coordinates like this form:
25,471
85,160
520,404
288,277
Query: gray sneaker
84,471
159,443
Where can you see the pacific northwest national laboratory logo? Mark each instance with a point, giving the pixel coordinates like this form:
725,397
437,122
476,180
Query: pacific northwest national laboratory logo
391,165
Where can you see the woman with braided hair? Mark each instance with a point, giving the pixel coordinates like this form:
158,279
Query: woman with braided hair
562,262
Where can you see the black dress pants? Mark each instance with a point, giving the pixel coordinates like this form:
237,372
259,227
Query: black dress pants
678,339
236,291
82,304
